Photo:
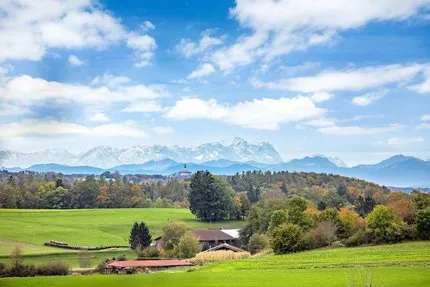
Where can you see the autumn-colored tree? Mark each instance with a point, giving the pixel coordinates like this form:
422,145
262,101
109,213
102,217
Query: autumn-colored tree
349,222
402,205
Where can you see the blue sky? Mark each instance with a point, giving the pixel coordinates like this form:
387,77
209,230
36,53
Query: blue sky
342,78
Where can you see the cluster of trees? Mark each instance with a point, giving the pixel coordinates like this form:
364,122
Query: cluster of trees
293,223
177,241
31,190
212,198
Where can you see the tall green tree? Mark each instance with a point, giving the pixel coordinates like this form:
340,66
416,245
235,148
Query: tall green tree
140,237
423,223
211,198
384,225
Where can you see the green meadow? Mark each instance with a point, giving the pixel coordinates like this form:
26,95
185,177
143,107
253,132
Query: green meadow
29,229
398,265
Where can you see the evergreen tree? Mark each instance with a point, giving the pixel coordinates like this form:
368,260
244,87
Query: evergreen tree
210,198
139,236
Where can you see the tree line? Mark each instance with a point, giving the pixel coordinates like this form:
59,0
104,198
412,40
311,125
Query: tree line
33,190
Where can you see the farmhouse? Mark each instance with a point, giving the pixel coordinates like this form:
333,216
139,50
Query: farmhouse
210,238
144,265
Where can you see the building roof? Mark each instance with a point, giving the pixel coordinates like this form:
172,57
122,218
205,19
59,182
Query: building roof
225,246
211,235
154,263
232,232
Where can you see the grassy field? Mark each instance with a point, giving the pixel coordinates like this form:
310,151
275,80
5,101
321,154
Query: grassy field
400,265
29,229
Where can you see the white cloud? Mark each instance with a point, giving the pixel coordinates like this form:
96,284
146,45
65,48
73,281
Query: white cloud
425,118
99,117
28,29
189,48
143,46
425,122
75,61
369,98
147,106
109,80
265,113
396,141
162,130
281,26
356,130
321,97
23,92
424,86
147,25
202,71
349,79
57,128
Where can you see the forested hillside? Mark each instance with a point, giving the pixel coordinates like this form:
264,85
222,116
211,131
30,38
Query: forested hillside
39,190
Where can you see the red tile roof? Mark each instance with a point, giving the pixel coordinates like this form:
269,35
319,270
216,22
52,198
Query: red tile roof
149,263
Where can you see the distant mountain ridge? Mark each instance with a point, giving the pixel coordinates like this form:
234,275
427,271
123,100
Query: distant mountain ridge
106,156
398,171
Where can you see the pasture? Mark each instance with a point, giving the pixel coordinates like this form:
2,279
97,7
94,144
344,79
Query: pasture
399,265
29,229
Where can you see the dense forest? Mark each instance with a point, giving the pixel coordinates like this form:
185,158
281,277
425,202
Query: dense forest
110,190
299,211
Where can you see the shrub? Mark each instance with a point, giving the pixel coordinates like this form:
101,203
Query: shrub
287,238
150,252
101,266
359,238
53,268
322,235
257,242
2,269
172,233
215,256
423,223
188,246
121,258
384,225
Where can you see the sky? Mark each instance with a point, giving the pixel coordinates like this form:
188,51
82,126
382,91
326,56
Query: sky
344,78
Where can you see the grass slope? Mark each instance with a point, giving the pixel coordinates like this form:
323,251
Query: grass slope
29,229
406,264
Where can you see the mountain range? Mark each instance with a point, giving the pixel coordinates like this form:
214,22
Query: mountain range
106,156
399,170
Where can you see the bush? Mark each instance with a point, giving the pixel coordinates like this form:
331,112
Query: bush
215,256
53,268
150,252
287,238
322,235
172,233
359,238
257,242
188,246
2,269
101,266
121,258
423,223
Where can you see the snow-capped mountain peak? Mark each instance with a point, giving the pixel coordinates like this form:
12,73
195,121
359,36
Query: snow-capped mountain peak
106,156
